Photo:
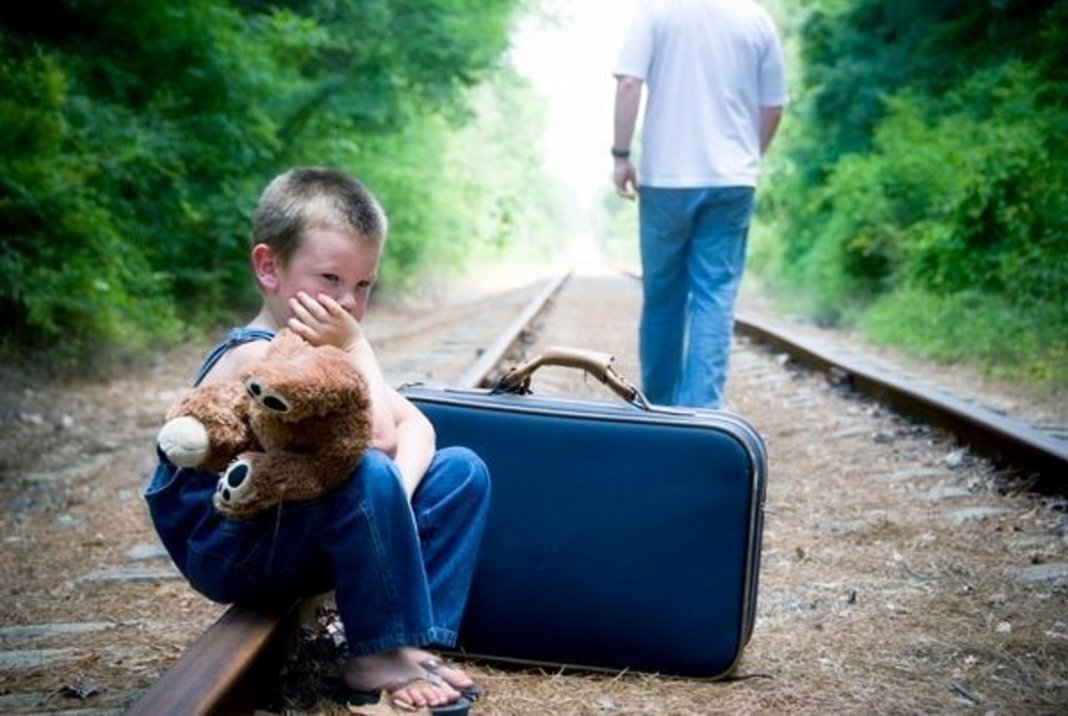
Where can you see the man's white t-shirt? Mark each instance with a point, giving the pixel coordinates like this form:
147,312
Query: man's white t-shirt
709,66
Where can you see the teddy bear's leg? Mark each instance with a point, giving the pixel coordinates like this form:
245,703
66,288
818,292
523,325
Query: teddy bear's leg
239,492
256,481
300,476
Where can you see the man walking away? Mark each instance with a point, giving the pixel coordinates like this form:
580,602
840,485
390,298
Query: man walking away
716,89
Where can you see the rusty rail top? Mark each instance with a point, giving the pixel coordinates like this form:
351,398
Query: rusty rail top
1008,442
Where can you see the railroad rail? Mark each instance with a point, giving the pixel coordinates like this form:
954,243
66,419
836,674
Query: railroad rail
1008,442
216,674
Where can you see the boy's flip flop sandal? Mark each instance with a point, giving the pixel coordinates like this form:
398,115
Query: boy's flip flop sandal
352,698
434,666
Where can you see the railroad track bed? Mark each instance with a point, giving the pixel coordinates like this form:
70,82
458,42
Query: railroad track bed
900,573
92,611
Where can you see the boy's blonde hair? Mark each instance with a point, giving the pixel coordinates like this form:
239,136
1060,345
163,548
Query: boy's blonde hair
306,197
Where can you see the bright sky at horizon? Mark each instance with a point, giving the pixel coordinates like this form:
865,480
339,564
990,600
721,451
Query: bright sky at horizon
567,53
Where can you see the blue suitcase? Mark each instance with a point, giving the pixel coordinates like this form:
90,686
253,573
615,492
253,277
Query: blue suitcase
620,535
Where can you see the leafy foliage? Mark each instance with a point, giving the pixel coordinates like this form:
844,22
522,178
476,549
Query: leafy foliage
924,169
136,137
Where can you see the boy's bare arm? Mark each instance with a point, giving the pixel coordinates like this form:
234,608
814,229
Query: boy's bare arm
322,321
416,442
234,361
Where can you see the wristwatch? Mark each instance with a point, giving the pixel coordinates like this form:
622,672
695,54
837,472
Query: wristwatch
620,153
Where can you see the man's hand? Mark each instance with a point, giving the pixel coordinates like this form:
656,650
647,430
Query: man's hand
322,321
625,177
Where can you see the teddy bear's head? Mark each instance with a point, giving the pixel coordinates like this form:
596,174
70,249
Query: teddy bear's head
295,381
292,428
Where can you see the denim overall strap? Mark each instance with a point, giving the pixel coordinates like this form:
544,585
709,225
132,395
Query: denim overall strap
236,337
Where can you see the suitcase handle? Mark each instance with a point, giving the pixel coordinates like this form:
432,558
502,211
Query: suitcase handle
596,363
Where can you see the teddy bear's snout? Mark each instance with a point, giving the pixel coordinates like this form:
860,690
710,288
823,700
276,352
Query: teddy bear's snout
266,398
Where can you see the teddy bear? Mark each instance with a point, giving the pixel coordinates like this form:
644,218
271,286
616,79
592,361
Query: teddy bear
292,428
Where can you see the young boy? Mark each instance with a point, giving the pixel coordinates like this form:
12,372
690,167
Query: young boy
400,583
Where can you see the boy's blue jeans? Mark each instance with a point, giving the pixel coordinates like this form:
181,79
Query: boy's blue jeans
401,574
693,245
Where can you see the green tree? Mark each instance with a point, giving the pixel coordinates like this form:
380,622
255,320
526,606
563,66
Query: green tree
922,170
137,136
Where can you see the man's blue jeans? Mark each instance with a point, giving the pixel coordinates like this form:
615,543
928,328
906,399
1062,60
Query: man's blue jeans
693,245
401,574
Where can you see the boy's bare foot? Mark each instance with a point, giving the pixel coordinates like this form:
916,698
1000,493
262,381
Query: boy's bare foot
398,673
450,673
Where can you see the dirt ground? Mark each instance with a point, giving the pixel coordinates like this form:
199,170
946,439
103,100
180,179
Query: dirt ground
900,573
